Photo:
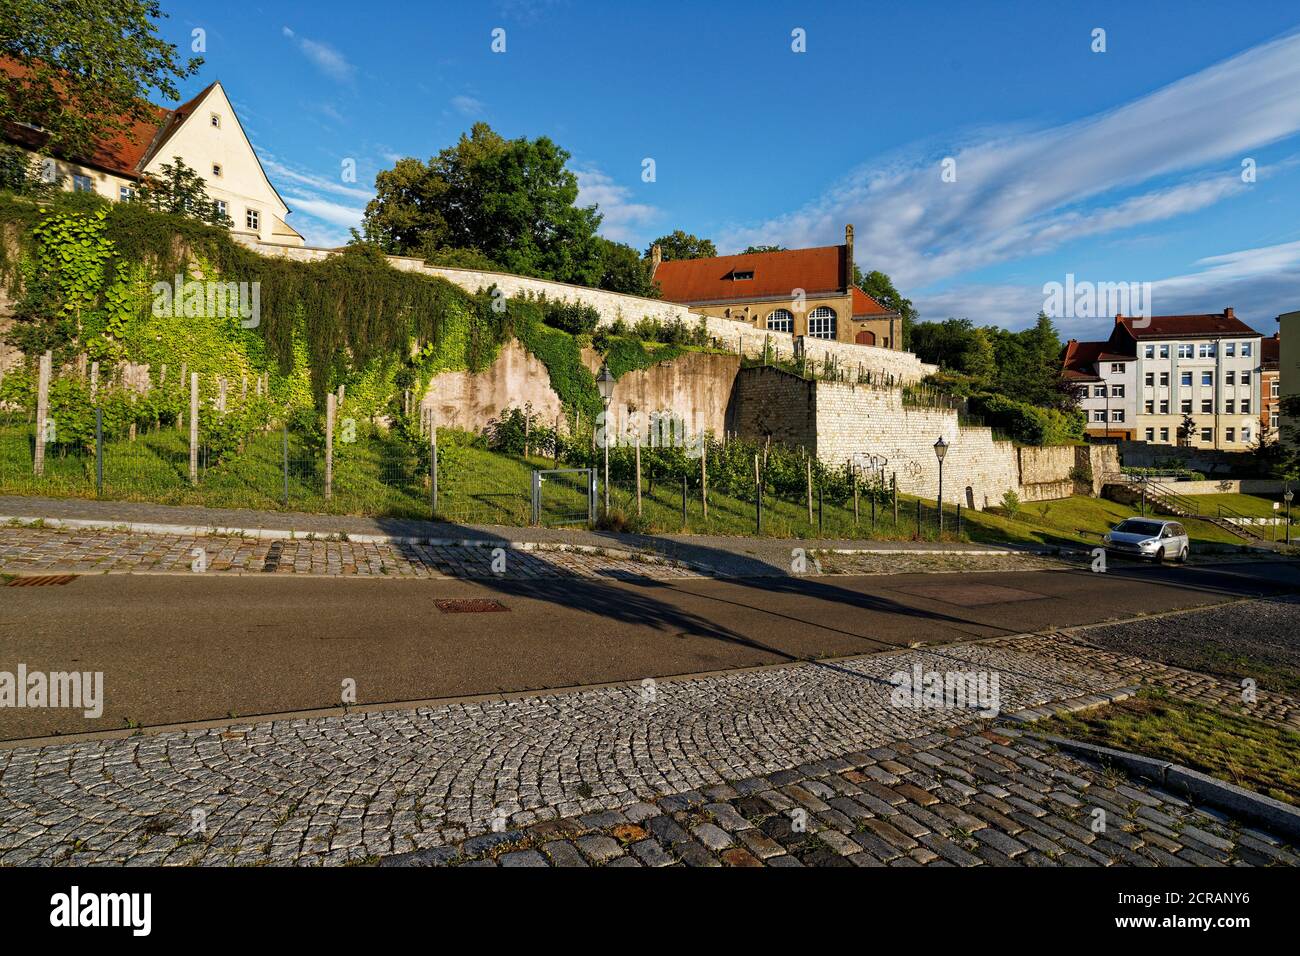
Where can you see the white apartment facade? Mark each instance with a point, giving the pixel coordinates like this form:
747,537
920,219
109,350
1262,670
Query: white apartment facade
1202,368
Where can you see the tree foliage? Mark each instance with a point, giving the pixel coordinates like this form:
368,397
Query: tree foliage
86,68
183,192
510,200
678,245
881,288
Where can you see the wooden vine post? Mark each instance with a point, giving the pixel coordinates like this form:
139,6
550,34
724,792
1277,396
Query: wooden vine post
331,410
194,428
42,412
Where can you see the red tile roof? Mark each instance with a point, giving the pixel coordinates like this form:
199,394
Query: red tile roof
1079,359
1270,351
816,271
864,306
124,153
1212,325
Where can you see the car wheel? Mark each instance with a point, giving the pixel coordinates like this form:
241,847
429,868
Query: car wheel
1182,556
1160,556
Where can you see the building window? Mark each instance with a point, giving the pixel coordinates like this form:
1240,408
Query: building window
1117,415
215,120
1186,350
125,193
1207,379
780,320
1246,349
1164,351
1229,349
1099,391
1230,378
1208,349
1185,406
1116,368
82,184
221,206
1245,434
1186,379
1164,434
1151,408
1207,434
1272,388
1230,407
1164,406
1230,434
1151,434
1272,420
1245,406
1099,415
748,274
253,220
1164,378
1207,406
216,170
1150,379
1149,351
1117,391
821,322
1245,378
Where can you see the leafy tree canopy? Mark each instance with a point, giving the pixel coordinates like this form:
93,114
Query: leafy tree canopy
1023,366
679,245
749,250
87,67
881,288
511,200
623,270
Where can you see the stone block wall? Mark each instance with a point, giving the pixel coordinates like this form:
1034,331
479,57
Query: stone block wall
768,402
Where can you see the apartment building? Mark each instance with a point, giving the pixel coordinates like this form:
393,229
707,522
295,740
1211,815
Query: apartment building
1202,371
1270,386
1106,385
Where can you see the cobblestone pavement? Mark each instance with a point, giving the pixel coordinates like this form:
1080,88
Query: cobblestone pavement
44,551
29,550
364,785
958,798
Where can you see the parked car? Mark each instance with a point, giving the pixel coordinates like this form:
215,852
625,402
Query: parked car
1149,538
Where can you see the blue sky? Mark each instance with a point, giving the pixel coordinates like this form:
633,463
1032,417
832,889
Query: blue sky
1115,166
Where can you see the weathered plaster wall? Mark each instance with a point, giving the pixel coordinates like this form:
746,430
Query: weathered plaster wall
469,401
695,386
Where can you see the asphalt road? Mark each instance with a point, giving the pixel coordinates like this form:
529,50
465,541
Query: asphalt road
182,648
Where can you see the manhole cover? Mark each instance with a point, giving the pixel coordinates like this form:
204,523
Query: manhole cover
470,606
42,581
971,595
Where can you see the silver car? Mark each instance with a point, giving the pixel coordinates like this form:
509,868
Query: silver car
1151,538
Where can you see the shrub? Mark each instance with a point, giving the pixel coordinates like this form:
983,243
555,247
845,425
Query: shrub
1011,503
571,317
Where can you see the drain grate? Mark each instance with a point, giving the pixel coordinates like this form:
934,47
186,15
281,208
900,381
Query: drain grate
272,562
42,581
470,606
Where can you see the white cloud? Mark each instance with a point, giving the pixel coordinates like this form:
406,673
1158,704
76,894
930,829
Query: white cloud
467,105
1026,193
327,59
622,218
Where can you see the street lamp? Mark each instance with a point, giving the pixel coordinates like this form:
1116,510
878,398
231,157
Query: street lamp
605,382
940,449
1288,498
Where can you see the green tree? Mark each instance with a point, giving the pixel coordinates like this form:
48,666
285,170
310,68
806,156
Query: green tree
623,270
86,68
180,190
512,201
679,245
20,172
749,250
881,288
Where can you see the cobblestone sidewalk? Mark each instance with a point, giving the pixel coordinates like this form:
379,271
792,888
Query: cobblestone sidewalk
30,550
366,785
945,799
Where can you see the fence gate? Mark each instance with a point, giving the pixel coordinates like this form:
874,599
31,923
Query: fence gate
564,496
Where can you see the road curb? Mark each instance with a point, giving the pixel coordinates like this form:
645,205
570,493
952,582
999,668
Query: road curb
1257,808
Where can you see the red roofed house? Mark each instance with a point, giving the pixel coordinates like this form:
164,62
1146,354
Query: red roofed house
205,133
1269,385
793,292
1166,370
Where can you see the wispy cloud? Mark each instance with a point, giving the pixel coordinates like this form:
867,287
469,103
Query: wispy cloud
1027,193
467,105
622,217
284,173
327,59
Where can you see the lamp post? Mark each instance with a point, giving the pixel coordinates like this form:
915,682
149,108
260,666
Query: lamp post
605,382
1288,498
940,449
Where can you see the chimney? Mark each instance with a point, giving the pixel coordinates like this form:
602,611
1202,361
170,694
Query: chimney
656,257
1119,320
1228,313
848,255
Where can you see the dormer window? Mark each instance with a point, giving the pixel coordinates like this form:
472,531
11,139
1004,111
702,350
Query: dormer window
216,121
216,169
737,275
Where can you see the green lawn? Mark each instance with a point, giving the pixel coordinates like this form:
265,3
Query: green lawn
383,477
1254,506
1238,749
